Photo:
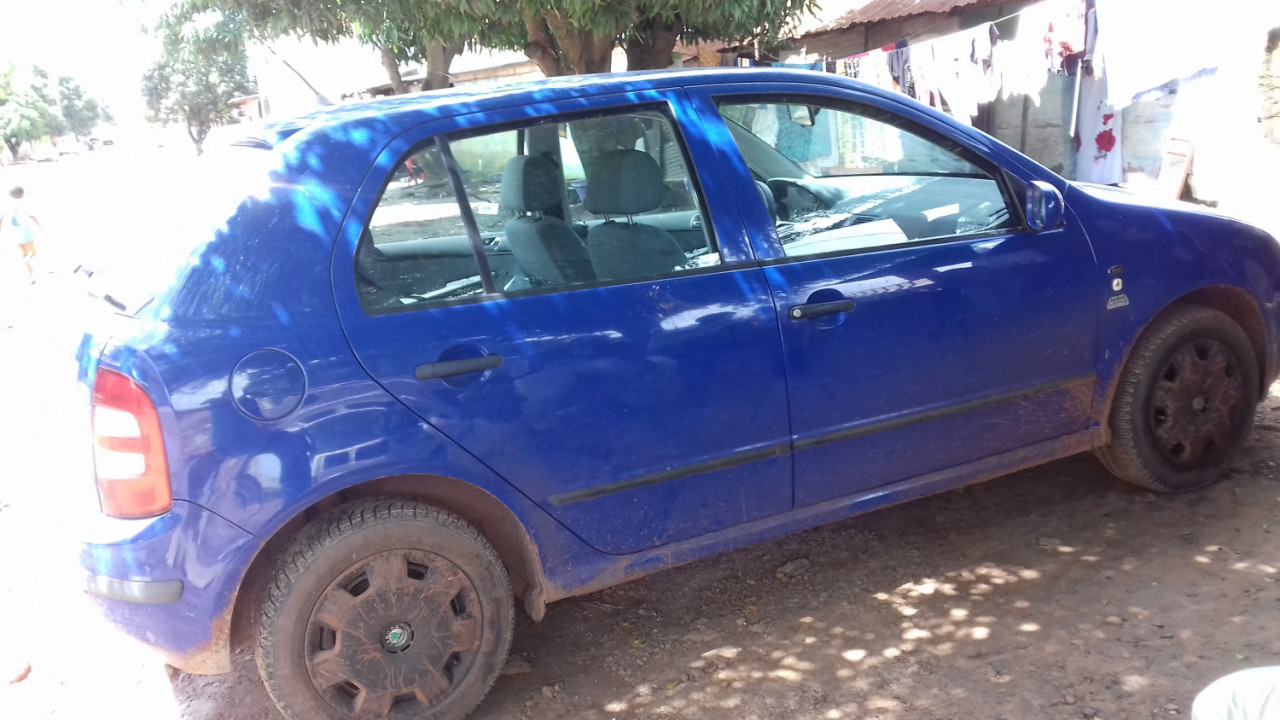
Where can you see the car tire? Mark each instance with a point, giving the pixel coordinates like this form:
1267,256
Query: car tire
1184,403
383,608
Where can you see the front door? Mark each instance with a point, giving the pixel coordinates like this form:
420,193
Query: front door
923,325
627,380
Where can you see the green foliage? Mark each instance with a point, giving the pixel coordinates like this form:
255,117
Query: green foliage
31,107
80,112
201,68
560,36
22,110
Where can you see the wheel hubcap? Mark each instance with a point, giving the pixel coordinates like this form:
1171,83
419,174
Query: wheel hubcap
1196,402
397,637
397,633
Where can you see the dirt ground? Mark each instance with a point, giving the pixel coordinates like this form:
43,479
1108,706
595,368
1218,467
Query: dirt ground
1053,593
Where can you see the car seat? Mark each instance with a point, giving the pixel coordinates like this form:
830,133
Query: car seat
627,182
547,250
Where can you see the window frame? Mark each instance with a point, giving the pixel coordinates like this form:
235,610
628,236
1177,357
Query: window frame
996,172
442,140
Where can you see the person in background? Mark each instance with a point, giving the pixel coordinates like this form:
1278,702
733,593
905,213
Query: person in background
18,226
1252,694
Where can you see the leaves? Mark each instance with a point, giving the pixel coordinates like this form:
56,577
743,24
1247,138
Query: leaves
201,69
561,36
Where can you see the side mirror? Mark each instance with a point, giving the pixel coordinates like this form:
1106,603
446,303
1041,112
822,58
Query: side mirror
1044,206
804,115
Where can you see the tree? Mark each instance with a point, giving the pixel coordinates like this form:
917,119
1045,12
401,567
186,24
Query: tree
201,68
22,111
578,36
47,106
433,32
80,112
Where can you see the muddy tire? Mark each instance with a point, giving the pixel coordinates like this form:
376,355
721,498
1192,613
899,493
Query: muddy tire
384,608
1184,403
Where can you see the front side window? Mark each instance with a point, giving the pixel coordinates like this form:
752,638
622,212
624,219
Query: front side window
835,180
558,203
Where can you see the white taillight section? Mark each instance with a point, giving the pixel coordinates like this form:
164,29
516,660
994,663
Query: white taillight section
128,449
110,422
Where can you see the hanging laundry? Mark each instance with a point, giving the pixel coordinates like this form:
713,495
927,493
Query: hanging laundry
899,61
871,68
1098,125
1025,62
983,56
925,70
958,77
1066,33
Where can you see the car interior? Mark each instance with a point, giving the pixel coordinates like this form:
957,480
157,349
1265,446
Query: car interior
596,199
609,197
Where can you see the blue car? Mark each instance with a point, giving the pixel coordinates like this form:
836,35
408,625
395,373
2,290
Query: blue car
449,351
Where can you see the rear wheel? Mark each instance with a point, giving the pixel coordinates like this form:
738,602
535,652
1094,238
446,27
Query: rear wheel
384,608
1185,401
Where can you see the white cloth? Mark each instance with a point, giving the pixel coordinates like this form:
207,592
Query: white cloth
1245,695
1098,126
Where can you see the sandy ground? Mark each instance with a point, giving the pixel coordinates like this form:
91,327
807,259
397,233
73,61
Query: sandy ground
1054,593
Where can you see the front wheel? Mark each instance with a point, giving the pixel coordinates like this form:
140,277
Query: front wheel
1184,403
384,608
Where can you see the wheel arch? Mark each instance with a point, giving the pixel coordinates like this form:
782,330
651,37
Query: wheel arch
1235,303
493,519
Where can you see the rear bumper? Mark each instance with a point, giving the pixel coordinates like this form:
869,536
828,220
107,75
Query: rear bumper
171,581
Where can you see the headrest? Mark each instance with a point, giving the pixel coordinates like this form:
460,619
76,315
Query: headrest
530,183
624,182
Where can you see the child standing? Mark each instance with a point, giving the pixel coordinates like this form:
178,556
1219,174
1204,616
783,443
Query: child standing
17,225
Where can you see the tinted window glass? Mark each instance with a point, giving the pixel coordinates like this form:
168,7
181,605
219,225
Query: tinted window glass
587,200
415,248
837,180
556,204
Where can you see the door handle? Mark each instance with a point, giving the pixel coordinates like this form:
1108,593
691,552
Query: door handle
817,310
437,370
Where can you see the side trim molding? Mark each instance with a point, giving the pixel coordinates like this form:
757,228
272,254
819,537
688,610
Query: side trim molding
785,448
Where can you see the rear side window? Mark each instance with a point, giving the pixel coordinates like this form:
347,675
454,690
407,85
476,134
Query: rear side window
551,204
415,248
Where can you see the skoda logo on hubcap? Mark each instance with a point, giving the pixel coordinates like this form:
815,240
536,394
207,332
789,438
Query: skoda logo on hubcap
397,637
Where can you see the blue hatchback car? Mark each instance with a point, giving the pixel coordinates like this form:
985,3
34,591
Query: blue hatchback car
454,349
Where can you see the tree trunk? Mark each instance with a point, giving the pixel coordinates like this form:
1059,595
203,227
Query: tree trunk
14,148
197,134
392,66
582,52
439,57
542,48
651,42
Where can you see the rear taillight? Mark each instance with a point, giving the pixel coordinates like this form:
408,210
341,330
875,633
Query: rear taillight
128,449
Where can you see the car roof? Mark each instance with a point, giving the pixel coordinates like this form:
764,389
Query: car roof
454,101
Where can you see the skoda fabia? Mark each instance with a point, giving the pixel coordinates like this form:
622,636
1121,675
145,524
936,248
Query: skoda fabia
451,352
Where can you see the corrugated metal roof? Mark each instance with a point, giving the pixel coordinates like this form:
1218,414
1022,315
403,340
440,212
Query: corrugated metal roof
880,10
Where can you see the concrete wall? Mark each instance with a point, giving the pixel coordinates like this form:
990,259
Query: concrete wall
1046,136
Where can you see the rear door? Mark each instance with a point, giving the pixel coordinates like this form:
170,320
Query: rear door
923,325
638,410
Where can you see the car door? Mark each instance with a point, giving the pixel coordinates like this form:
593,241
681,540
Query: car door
639,406
924,326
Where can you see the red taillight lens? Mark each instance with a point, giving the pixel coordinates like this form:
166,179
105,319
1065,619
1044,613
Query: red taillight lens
128,449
